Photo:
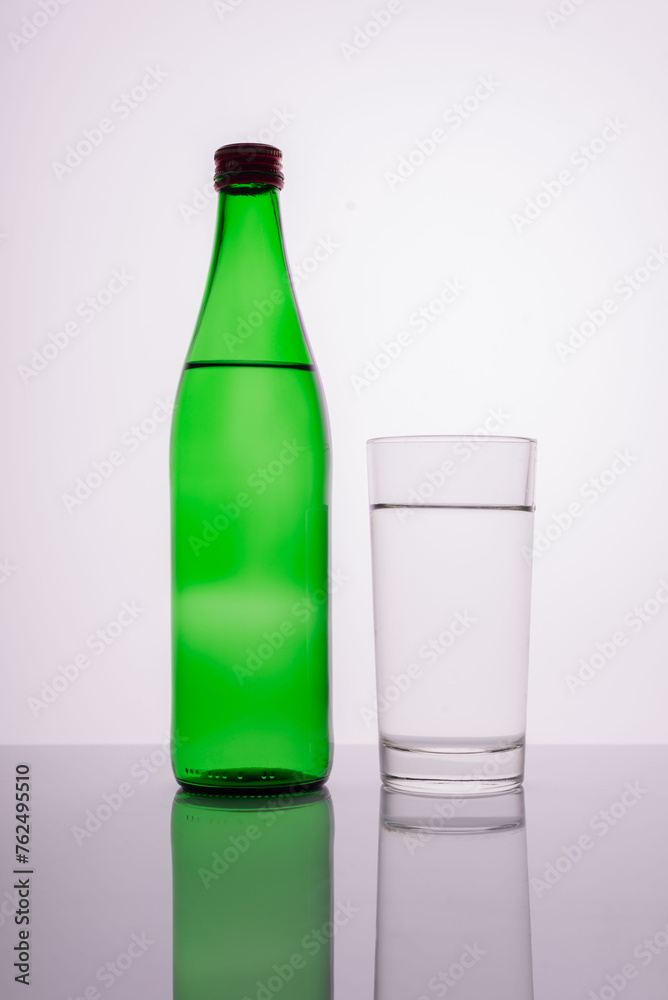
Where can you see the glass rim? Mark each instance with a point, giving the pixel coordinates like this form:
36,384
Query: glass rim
449,438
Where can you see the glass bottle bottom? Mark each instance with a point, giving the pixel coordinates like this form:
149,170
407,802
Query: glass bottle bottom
249,781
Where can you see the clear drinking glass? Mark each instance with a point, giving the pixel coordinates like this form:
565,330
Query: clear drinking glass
451,541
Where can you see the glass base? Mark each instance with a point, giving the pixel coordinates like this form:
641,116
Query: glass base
471,770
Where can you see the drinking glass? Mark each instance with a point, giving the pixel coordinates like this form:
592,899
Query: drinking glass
451,542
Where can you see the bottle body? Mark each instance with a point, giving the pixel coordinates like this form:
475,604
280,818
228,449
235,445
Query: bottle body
249,486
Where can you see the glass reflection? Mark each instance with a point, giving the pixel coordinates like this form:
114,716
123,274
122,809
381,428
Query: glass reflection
252,897
453,898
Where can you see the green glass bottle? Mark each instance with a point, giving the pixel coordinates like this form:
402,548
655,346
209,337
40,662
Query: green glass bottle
252,907
249,490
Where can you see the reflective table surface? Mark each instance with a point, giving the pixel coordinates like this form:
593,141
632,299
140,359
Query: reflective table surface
114,883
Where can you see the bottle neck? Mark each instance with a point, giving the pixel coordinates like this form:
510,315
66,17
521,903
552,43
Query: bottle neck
249,311
249,234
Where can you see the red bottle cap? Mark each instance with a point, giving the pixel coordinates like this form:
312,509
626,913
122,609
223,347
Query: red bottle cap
247,163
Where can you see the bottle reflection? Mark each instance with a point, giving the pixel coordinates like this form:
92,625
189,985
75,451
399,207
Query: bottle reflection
252,898
453,898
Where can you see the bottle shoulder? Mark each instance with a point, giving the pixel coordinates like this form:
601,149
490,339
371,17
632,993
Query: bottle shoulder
260,324
249,311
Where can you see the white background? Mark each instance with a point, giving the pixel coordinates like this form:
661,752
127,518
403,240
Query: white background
345,107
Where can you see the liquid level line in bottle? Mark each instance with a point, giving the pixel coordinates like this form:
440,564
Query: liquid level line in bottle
249,364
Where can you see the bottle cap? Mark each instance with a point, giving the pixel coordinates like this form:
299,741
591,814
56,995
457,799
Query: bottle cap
247,163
